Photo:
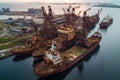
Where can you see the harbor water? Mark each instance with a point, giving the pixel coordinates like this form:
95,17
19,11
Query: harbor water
103,64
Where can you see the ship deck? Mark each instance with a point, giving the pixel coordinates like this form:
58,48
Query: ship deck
68,56
73,53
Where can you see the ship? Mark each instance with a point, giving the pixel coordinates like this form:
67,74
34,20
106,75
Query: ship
23,50
28,48
56,62
107,21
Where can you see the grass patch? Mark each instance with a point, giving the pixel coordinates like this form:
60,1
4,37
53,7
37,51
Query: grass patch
5,39
3,25
1,32
77,50
12,44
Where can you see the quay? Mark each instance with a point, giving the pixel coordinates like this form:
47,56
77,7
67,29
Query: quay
5,53
16,13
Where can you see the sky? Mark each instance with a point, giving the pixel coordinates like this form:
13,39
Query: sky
17,0
51,1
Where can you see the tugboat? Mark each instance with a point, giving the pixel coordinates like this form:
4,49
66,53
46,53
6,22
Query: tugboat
56,62
107,21
29,47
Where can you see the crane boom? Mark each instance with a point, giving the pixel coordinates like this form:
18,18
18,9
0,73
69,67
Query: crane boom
69,7
64,10
88,9
78,12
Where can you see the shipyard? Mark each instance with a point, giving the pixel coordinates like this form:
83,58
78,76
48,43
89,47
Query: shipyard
65,33
54,42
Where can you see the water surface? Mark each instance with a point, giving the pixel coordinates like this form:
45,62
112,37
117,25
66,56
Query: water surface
102,65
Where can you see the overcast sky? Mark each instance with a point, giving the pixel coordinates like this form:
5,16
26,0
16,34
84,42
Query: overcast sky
17,0
115,1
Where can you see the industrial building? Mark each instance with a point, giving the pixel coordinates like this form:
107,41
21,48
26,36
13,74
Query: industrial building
15,32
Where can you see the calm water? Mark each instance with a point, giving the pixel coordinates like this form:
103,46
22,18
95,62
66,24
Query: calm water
102,65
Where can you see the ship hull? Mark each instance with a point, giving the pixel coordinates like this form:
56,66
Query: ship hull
38,58
23,53
65,67
106,24
91,21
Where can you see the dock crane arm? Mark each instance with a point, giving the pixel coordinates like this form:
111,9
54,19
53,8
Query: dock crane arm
73,9
88,9
68,9
64,10
79,13
85,12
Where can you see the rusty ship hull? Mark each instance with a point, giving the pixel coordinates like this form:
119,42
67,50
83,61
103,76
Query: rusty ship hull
105,23
91,21
23,51
63,67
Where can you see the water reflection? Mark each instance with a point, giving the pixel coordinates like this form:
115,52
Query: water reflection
20,58
103,30
94,52
80,67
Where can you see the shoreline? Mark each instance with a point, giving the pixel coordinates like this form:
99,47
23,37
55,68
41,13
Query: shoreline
5,53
